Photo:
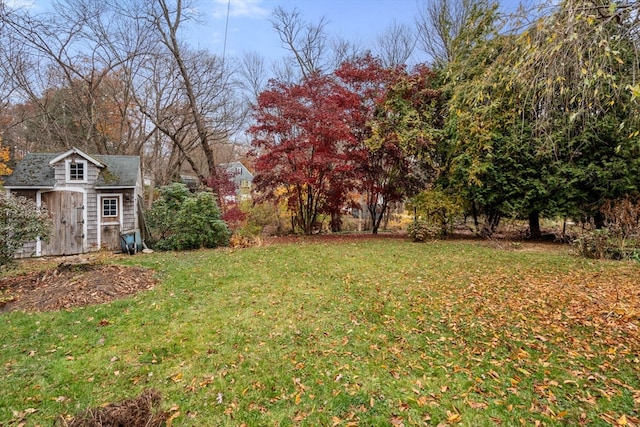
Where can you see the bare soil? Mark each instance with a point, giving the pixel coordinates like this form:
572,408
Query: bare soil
72,282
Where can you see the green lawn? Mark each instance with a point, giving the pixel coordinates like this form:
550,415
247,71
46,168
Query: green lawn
367,333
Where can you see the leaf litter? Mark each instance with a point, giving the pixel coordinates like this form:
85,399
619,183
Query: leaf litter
72,284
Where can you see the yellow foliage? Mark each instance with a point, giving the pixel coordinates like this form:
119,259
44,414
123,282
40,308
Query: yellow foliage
4,158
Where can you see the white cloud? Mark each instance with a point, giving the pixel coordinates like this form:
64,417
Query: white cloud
14,4
239,8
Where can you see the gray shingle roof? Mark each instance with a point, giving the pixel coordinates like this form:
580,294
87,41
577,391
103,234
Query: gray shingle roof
121,171
34,171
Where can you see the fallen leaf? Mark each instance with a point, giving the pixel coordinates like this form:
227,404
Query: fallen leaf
397,421
478,405
173,416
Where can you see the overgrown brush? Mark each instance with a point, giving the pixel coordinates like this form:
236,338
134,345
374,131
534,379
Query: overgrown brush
620,236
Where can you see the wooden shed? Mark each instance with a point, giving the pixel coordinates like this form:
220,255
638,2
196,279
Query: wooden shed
92,199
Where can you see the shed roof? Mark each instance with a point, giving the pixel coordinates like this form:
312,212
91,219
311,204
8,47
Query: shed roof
35,171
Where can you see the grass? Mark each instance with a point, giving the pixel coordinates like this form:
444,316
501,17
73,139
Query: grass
368,333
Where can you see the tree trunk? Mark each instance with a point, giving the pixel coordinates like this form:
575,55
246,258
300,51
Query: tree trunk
491,223
598,220
534,225
376,217
474,212
336,222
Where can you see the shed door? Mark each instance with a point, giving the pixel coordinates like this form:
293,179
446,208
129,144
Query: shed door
110,216
67,211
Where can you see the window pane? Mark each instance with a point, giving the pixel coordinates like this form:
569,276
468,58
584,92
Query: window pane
76,171
110,207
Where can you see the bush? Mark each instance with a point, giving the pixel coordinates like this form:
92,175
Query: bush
622,218
435,210
620,239
421,230
593,244
21,221
261,219
180,220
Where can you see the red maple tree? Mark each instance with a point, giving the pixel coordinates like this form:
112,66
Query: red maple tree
390,145
363,128
303,146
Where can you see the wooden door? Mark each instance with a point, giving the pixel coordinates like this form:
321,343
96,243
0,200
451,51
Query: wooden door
67,211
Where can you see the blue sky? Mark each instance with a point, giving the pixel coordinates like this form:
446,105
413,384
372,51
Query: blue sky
359,21
249,29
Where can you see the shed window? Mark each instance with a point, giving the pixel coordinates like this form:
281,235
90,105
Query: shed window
110,207
76,171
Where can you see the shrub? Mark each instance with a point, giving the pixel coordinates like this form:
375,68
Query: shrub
421,230
261,219
622,218
593,244
21,221
435,210
620,239
180,220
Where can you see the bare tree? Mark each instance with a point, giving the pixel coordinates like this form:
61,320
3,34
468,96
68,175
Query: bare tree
308,43
439,23
204,112
64,65
396,45
253,75
311,49
343,50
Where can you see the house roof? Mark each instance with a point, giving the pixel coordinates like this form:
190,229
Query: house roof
232,167
120,171
36,170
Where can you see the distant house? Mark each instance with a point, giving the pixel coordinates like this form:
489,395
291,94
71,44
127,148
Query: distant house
92,199
242,179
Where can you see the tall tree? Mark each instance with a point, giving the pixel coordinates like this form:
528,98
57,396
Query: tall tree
396,116
441,24
308,43
311,49
73,51
480,119
581,105
302,142
557,138
203,86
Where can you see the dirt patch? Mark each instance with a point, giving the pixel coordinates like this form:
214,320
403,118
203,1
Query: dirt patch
142,411
71,284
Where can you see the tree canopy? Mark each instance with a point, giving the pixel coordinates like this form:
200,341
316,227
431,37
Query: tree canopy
527,114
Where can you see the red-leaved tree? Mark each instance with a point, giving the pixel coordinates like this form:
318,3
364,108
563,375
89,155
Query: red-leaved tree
303,147
398,112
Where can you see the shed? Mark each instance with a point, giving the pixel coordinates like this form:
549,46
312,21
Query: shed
92,199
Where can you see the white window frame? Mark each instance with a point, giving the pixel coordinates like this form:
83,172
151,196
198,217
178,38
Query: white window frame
116,199
84,170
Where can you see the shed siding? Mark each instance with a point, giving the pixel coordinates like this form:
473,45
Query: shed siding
27,250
